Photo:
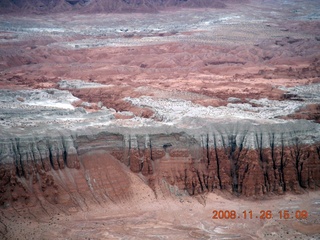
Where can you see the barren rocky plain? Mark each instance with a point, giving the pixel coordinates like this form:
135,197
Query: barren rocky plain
159,119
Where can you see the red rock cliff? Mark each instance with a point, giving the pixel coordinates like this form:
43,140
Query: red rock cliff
96,168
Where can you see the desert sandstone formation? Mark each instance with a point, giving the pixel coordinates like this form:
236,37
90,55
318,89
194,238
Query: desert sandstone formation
107,115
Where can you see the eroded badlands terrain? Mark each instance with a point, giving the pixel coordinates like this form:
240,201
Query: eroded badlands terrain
139,125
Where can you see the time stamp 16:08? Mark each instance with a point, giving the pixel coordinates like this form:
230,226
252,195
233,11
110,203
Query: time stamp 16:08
263,214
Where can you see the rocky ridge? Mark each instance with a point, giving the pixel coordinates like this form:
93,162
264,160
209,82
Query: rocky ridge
243,158
50,148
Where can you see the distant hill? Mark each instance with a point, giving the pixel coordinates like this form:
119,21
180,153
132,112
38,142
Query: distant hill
92,6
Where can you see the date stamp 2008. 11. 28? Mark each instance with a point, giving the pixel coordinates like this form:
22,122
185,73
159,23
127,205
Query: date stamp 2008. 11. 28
262,214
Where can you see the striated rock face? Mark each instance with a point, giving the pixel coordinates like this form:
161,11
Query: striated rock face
94,165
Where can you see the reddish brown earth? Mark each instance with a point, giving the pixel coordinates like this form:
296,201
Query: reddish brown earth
310,112
215,82
102,198
107,188
257,172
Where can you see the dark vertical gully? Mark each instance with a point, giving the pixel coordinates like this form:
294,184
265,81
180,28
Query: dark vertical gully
208,151
218,161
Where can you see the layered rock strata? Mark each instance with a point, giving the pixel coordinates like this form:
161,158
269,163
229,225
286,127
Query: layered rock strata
94,165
